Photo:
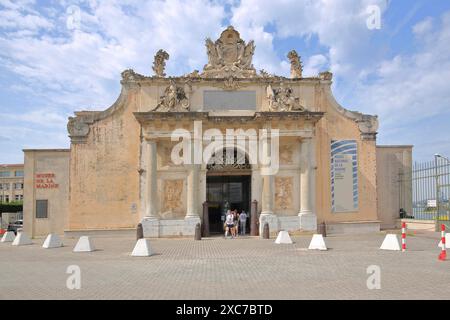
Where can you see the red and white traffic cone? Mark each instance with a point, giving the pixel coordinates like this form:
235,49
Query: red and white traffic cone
443,254
403,236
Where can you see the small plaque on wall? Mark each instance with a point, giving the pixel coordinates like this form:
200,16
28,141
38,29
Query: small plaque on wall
229,100
344,176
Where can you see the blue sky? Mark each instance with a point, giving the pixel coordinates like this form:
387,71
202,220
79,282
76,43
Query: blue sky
60,56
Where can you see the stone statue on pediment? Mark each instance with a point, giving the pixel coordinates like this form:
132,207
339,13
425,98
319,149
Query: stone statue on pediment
296,64
282,99
159,64
229,56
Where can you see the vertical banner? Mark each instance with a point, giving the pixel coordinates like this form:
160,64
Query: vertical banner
344,176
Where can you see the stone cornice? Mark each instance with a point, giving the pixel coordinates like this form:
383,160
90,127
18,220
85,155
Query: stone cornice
144,117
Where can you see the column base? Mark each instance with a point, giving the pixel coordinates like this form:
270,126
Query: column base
271,219
189,225
308,221
150,226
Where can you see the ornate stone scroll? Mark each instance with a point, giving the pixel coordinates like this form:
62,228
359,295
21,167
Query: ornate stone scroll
296,64
326,75
175,98
229,55
78,129
130,75
159,64
282,99
283,192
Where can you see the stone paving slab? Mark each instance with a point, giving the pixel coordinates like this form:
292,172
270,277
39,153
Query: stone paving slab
217,268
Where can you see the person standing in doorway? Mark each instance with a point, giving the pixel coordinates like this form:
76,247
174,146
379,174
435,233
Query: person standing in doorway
236,223
229,223
243,222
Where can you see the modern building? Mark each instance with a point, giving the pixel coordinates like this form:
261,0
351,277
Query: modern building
227,136
11,182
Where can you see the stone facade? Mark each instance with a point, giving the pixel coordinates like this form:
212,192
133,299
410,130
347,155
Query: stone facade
121,171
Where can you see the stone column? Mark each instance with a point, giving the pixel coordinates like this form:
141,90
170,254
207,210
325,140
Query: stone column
192,191
150,222
308,219
193,180
267,194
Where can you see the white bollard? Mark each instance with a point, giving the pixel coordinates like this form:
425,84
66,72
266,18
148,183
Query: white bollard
21,239
283,237
84,244
8,237
317,243
142,248
390,243
447,241
52,241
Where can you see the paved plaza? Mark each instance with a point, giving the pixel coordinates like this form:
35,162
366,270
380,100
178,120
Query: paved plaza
217,268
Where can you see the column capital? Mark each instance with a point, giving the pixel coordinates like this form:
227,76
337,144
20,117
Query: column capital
150,139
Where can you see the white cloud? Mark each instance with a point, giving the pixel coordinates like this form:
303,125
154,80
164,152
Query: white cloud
423,27
314,65
81,68
339,25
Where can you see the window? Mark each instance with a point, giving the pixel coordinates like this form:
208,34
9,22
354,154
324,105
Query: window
18,173
6,199
4,174
18,186
4,186
18,197
41,209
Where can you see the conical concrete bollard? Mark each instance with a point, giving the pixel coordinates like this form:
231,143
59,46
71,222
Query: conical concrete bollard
390,243
283,238
142,248
8,237
21,240
84,244
317,243
52,241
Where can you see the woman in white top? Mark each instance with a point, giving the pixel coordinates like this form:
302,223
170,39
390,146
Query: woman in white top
229,221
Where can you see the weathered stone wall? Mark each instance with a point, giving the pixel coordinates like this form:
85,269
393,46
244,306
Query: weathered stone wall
104,171
335,125
391,162
46,162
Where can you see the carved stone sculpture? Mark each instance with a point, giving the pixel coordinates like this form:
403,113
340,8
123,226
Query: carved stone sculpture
282,99
283,192
286,152
130,75
175,98
173,190
77,128
296,64
326,75
229,55
159,64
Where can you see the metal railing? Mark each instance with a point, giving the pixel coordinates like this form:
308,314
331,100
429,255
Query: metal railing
430,189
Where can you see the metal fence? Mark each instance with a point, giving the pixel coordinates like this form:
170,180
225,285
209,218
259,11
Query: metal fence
430,189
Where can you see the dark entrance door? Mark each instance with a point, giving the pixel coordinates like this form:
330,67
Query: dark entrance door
226,191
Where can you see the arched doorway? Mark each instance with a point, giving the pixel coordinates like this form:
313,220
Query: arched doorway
228,186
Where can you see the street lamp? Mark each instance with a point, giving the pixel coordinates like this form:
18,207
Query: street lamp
436,156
